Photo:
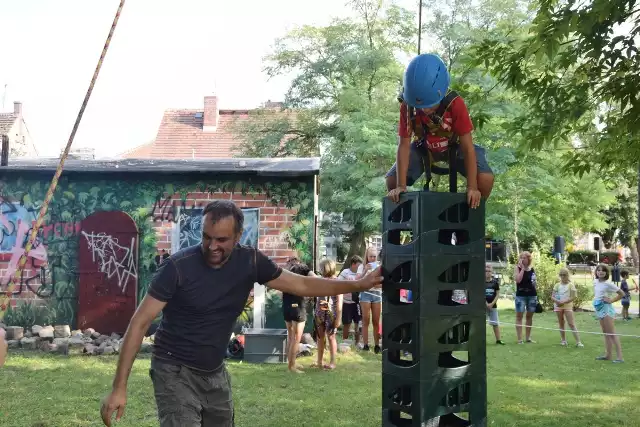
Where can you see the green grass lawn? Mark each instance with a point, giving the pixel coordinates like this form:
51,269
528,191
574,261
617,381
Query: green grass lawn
537,385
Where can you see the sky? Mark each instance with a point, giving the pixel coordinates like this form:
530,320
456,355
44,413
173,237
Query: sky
164,54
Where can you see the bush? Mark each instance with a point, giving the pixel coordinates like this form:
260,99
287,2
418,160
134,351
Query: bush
28,313
546,277
581,257
612,255
584,295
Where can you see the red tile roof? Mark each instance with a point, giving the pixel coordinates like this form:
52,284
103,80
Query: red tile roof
181,134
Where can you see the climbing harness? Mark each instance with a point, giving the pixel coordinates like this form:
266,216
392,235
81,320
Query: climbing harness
420,134
15,280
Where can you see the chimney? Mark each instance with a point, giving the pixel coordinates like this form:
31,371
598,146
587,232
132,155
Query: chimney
211,114
17,108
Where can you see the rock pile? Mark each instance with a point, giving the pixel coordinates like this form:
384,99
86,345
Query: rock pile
61,339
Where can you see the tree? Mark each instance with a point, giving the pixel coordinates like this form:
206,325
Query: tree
534,198
622,214
578,78
343,99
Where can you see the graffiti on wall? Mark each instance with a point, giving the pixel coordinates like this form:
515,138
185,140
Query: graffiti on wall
108,260
187,230
113,259
53,272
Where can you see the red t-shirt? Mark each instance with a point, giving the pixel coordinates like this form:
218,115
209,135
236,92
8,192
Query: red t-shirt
455,119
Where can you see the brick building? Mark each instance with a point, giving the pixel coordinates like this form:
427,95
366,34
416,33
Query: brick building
13,128
111,222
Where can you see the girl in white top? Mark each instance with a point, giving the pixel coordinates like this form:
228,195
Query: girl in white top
602,289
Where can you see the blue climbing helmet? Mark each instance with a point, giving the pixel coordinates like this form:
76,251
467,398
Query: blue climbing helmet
426,81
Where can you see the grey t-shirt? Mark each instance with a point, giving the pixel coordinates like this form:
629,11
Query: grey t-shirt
203,303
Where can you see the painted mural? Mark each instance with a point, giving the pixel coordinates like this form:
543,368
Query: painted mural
54,271
187,230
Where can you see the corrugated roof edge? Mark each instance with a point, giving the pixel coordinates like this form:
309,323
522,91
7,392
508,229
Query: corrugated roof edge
288,166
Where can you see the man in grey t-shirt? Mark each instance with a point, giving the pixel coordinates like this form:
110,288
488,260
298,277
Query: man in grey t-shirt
201,291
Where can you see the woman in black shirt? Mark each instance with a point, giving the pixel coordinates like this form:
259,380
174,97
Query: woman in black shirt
526,295
295,314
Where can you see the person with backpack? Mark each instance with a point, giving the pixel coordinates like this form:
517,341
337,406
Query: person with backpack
434,120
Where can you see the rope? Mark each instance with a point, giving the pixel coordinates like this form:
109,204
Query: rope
15,281
419,26
566,330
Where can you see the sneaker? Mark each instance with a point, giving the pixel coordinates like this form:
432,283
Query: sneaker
520,342
580,345
530,341
376,349
563,343
602,358
618,361
500,342
365,347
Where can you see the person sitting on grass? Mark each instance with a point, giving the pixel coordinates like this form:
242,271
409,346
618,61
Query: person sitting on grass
436,118
562,296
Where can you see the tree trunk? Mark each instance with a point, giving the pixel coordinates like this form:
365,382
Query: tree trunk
516,241
634,253
357,245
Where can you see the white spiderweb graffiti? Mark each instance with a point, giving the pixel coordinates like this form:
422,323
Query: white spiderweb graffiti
113,258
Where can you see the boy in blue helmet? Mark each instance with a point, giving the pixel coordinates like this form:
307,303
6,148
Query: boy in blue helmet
435,118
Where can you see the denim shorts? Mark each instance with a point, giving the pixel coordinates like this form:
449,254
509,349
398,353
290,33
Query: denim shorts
604,309
526,304
417,159
372,296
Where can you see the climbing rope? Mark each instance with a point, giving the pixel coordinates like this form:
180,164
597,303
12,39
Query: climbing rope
15,281
419,26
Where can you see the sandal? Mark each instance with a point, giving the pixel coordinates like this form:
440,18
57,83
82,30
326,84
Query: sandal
330,366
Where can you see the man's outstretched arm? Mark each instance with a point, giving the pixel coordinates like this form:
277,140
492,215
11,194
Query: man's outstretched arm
308,286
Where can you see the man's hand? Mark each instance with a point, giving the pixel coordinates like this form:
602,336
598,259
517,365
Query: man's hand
115,401
473,197
394,194
372,280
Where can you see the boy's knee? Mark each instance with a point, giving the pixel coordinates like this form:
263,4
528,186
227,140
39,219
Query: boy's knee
391,182
485,184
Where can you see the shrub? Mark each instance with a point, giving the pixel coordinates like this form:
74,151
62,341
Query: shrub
28,313
581,257
584,295
546,277
611,255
